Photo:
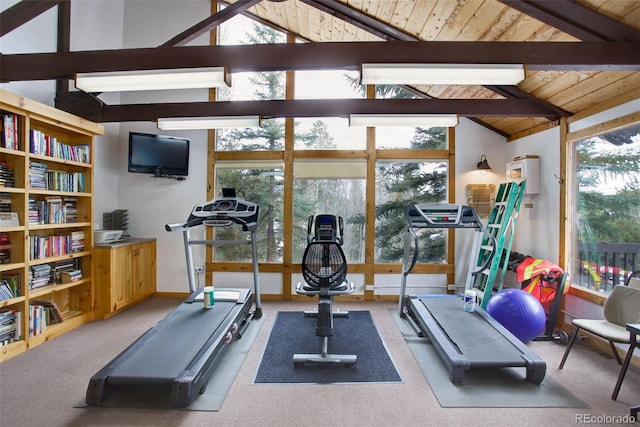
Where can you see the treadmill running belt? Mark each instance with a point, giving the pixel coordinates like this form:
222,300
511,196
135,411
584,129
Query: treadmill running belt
476,338
146,366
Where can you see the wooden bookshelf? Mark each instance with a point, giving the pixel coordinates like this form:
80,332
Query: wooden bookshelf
46,161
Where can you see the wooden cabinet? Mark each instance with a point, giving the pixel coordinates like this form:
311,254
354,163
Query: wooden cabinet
125,274
46,181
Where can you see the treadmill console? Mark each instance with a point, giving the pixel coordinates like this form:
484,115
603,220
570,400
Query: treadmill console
441,215
221,212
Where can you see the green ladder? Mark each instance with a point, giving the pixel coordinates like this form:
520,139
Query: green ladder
501,225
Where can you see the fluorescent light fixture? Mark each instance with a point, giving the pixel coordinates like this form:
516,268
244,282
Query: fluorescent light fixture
179,123
180,78
442,74
405,120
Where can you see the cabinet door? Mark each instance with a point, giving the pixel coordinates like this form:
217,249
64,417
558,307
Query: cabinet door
143,269
122,281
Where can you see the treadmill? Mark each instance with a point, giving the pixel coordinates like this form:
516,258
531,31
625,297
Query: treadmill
464,340
177,356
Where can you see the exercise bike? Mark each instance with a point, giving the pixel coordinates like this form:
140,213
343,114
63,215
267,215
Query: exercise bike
324,269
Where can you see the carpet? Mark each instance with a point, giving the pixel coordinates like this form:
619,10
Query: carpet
490,388
219,384
293,333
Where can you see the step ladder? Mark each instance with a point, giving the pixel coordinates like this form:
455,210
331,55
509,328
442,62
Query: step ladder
501,225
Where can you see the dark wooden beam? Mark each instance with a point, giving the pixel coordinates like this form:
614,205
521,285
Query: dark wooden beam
576,19
210,23
314,56
360,20
323,108
22,12
64,38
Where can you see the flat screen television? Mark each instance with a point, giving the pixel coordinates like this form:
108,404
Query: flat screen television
159,155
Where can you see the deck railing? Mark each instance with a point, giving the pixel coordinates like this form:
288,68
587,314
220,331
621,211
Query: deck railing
601,266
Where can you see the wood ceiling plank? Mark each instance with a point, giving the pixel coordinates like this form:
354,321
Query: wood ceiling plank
603,93
503,23
416,22
581,90
384,10
401,13
523,29
482,20
291,13
315,24
304,21
437,19
458,20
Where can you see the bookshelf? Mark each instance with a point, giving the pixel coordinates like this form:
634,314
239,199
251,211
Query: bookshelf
46,182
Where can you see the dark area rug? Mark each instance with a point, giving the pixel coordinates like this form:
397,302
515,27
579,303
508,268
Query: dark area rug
293,333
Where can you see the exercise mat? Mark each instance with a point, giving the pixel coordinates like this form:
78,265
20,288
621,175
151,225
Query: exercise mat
484,388
294,333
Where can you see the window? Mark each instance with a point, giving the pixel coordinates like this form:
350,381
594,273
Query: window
400,184
260,183
334,187
605,232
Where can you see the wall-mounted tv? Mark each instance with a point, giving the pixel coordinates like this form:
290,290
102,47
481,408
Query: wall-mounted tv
159,155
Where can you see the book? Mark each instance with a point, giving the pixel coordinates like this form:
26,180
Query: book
53,313
71,276
9,219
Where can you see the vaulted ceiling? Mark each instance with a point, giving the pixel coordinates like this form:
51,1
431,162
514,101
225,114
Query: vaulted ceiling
579,56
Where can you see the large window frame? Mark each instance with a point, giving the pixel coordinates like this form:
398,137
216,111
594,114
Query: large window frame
569,196
370,155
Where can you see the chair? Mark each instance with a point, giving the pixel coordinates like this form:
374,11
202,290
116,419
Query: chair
324,269
633,281
622,307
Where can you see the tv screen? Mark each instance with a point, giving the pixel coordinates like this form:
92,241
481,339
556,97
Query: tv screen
159,155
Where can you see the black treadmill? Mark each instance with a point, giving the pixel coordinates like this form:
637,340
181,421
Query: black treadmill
464,340
178,355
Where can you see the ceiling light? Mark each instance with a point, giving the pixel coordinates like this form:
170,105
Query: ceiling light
405,120
483,164
178,123
442,74
181,78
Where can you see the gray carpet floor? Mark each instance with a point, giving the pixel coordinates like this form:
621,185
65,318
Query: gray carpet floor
42,385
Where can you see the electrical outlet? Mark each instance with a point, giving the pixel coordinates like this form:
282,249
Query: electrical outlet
199,269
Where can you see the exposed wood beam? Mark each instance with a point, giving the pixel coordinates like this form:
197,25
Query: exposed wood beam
210,23
22,12
324,108
64,38
575,19
312,56
360,19
515,92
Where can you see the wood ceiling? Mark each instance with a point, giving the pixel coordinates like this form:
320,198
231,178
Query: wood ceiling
579,55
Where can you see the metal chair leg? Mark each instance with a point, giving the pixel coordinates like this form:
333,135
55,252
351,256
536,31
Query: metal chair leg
566,352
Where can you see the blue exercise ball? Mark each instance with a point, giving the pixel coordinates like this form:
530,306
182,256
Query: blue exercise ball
519,312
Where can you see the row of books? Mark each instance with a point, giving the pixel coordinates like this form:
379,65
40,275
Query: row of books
10,326
5,248
42,314
47,145
53,210
65,271
7,175
10,286
41,247
41,178
10,131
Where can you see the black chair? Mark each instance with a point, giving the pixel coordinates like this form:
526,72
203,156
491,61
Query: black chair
324,269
